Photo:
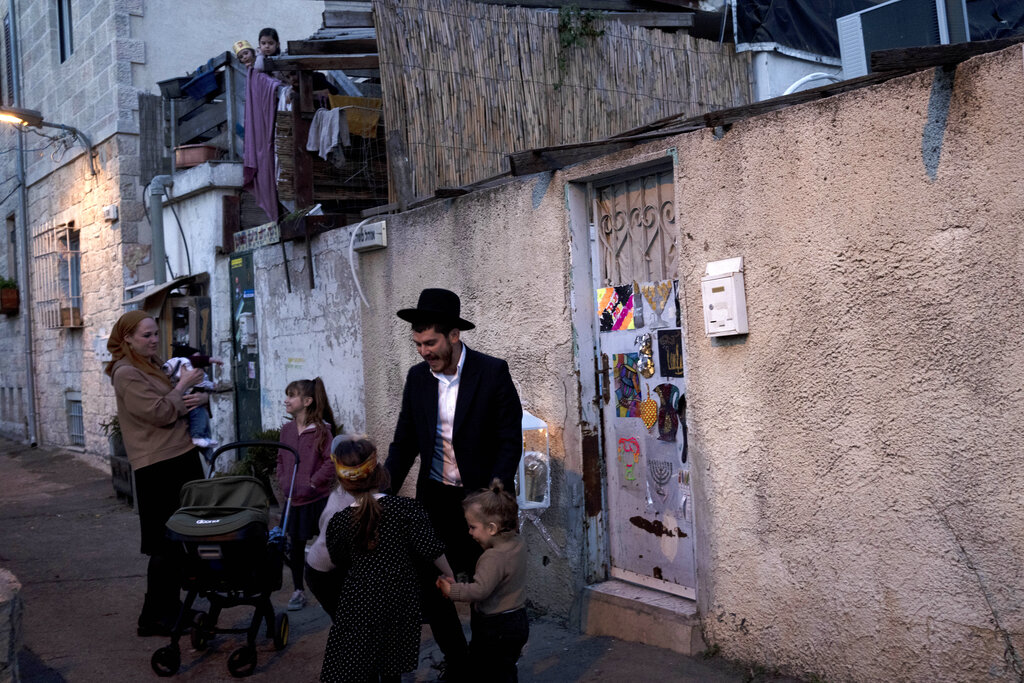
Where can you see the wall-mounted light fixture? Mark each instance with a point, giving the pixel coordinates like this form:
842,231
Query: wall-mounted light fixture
30,118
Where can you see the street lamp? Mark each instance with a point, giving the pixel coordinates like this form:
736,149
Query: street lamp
31,118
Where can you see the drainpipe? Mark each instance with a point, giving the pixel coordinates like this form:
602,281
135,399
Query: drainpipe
156,213
25,275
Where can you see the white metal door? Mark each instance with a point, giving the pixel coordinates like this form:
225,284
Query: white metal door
643,387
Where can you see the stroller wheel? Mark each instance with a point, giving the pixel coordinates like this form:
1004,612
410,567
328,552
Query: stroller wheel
242,662
200,638
166,661
281,631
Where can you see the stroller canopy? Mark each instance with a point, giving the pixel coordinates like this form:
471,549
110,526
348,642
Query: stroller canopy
210,507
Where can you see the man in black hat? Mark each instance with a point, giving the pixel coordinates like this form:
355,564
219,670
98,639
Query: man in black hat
461,414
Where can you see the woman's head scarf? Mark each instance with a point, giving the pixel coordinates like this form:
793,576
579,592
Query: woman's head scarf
119,347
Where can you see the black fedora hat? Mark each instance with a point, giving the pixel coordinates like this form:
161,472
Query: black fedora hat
437,306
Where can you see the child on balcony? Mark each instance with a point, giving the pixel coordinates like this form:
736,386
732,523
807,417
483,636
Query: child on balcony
244,52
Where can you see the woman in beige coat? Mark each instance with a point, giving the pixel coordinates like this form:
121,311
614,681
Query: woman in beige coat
154,423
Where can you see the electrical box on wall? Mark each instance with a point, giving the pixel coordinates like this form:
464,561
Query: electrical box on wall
371,237
725,302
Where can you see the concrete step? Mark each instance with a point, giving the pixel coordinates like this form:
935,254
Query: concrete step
642,615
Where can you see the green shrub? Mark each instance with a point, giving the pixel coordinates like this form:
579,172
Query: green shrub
259,461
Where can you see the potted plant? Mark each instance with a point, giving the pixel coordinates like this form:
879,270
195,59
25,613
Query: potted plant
9,299
261,461
120,468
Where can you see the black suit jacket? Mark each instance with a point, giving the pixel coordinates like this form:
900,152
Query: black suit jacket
486,434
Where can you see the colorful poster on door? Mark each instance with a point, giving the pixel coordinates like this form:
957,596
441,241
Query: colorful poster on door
626,468
627,384
661,460
615,308
670,353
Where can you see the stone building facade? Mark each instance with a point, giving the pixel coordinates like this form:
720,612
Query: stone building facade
83,63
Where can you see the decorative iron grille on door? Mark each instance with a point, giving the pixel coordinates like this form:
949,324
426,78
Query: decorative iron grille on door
57,275
636,221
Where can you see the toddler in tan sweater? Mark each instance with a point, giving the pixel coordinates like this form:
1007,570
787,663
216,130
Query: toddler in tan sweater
498,590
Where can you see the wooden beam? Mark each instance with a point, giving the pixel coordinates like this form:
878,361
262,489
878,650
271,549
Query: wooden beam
342,19
553,158
363,73
652,19
936,55
323,63
302,167
606,5
231,215
335,46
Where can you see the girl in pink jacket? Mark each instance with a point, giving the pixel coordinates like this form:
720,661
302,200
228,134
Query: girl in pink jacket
310,433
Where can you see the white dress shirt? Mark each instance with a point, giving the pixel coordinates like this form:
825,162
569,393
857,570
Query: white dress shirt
443,468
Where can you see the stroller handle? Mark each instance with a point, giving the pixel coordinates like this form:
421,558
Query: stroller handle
235,445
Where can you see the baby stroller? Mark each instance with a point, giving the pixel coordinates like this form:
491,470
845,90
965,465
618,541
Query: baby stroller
230,559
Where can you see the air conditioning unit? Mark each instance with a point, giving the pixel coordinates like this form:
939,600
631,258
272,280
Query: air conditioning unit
899,23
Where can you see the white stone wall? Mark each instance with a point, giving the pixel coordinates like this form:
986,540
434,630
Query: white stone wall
309,333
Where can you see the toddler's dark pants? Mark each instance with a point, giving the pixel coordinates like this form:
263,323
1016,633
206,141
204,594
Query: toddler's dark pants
325,587
498,640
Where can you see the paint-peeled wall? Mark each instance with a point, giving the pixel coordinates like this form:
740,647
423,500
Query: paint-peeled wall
310,332
857,456
505,253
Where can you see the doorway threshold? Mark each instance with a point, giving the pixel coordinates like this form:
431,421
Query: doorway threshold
643,615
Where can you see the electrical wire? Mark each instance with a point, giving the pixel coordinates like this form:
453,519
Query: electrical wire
181,231
351,260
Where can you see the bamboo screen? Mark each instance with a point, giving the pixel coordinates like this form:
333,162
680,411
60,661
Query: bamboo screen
466,84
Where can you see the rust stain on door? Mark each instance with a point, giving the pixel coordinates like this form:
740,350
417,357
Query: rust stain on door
656,527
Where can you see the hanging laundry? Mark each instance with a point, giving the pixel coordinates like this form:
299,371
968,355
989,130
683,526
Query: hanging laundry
258,173
328,129
363,113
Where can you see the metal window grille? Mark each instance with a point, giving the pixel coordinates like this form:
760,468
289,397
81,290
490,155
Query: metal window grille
66,36
8,96
636,221
58,276
76,424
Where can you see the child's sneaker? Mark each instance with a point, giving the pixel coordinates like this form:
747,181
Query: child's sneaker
203,443
297,602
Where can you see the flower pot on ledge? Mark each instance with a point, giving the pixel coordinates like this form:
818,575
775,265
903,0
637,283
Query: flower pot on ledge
9,301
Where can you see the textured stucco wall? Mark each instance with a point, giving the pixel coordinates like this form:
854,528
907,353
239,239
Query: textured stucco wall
858,456
505,252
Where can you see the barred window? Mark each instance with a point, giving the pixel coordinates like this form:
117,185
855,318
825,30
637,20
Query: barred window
76,425
64,33
58,275
8,90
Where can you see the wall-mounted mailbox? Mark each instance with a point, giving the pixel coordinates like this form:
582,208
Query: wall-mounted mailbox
725,303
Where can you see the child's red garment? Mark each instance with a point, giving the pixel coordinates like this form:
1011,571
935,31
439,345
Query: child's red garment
315,477
376,630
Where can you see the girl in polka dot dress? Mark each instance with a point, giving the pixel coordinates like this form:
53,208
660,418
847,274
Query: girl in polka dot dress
375,543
